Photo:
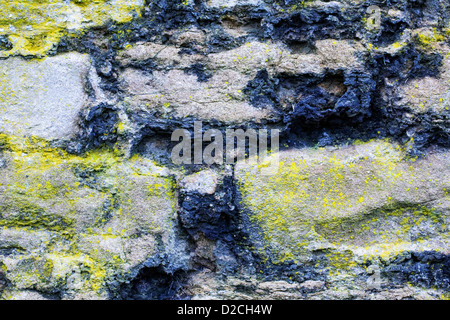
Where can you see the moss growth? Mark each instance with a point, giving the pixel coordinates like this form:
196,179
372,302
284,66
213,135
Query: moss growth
114,199
34,217
333,197
33,27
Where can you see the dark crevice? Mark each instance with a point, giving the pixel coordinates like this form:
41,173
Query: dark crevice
154,283
390,32
425,269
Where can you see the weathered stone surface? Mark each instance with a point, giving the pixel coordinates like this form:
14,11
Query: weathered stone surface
362,198
204,182
182,95
429,93
251,289
79,223
33,28
216,89
25,295
232,3
43,97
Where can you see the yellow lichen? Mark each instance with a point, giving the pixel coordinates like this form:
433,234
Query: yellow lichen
329,197
33,27
41,193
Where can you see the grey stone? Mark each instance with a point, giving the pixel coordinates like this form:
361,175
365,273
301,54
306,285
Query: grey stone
43,97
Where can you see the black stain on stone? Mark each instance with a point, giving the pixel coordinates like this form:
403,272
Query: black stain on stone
217,218
317,105
390,32
211,215
426,269
314,24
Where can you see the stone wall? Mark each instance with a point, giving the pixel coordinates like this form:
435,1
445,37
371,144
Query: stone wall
93,207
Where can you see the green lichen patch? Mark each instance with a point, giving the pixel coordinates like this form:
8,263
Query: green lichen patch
77,221
146,200
30,216
31,28
354,196
40,189
430,93
429,38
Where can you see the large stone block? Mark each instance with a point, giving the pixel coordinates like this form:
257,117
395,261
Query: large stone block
212,86
366,198
43,97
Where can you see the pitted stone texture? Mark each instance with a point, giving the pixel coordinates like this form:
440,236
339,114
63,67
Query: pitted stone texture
176,92
64,217
43,97
206,286
254,56
366,198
